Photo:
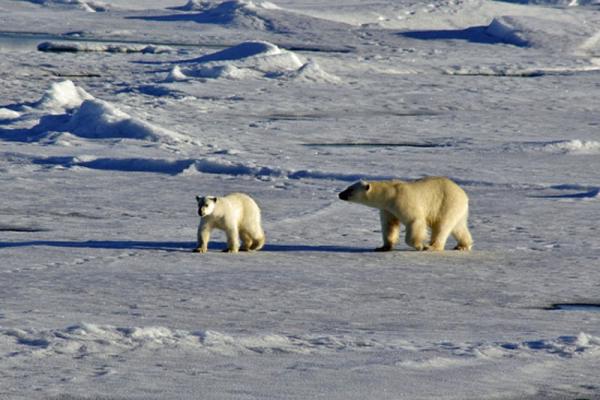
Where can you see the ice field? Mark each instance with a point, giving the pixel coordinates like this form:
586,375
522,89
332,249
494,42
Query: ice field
114,115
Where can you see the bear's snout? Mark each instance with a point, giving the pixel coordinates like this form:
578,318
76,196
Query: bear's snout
344,195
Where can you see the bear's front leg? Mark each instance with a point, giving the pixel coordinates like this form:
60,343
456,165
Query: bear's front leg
203,238
390,229
233,241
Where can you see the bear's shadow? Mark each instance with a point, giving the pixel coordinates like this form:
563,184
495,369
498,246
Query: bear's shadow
178,246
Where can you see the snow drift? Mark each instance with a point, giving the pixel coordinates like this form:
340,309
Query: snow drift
97,119
528,31
90,339
69,108
253,59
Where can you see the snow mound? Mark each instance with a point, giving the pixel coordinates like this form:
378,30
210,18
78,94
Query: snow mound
97,119
253,59
69,108
575,146
86,5
237,13
536,32
175,75
62,96
73,47
508,30
312,72
203,5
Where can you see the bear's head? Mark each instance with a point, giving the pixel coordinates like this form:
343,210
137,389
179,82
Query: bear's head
206,205
356,193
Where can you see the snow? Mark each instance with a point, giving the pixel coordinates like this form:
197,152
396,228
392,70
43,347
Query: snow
105,146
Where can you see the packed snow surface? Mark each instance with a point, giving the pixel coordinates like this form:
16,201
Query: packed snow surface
112,121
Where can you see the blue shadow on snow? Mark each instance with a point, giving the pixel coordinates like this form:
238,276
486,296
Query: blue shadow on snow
475,34
178,246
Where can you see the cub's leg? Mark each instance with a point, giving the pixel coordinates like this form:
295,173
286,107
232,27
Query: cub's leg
203,238
462,235
416,234
390,229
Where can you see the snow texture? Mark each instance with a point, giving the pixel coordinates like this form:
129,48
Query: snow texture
112,122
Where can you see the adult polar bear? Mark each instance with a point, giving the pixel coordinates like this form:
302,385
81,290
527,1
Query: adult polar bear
434,202
237,214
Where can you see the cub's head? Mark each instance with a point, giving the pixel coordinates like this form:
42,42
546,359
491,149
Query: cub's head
356,193
206,205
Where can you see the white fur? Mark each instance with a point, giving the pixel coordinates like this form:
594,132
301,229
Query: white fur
236,214
436,203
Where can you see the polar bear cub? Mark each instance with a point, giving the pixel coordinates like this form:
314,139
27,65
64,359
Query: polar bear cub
436,203
237,214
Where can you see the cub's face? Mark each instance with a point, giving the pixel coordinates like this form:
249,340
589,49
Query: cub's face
356,193
206,205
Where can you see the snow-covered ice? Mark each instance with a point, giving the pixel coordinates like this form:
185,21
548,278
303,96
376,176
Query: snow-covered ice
115,114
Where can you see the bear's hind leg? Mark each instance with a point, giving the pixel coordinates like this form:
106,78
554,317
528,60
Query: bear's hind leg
233,241
463,236
390,229
258,243
416,234
247,242
439,236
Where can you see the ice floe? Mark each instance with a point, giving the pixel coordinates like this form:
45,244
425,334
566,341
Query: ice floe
73,47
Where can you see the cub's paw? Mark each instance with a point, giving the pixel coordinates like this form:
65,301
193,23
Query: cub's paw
230,251
462,247
199,250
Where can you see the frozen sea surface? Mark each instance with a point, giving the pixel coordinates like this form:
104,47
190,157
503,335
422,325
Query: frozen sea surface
135,107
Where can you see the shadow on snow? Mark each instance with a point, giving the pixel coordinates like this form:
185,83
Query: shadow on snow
177,246
475,34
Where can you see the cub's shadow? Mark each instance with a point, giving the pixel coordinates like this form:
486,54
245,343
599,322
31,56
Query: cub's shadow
177,246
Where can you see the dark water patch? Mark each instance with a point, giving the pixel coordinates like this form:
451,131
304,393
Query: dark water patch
15,228
368,144
580,307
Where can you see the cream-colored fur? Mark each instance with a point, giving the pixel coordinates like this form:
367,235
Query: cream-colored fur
236,214
436,203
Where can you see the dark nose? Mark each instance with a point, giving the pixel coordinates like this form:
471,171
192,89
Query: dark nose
343,195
